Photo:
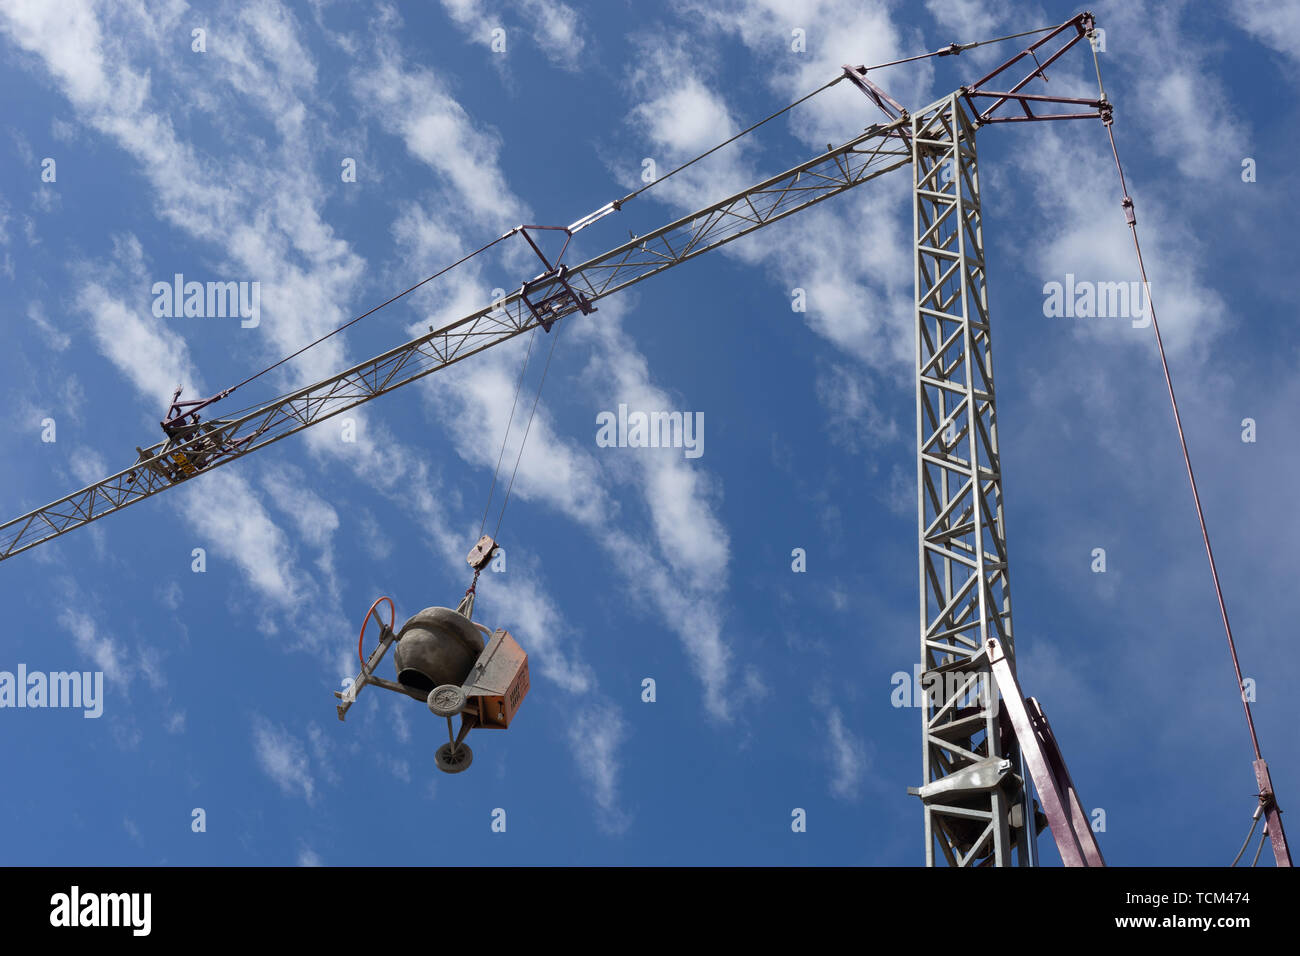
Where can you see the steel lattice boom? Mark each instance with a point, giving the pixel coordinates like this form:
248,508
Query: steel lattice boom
556,293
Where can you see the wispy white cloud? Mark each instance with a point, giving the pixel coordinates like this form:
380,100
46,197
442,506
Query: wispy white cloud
283,758
154,358
596,735
400,769
857,294
847,754
309,857
316,522
6,260
121,661
57,338
1177,95
315,519
373,538
412,103
226,511
104,651
1091,241
1274,24
834,33
555,27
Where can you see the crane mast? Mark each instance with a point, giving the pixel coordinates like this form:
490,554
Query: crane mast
976,794
965,592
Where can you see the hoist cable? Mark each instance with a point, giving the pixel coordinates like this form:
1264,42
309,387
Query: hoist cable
527,428
518,386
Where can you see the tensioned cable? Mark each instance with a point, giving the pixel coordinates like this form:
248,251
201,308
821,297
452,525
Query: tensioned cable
527,428
352,322
518,386
748,129
1182,439
949,50
955,48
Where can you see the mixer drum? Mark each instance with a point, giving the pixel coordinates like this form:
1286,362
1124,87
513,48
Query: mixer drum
436,646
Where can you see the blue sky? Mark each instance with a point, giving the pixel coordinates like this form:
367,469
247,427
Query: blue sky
773,687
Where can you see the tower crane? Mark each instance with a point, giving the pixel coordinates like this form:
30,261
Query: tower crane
986,748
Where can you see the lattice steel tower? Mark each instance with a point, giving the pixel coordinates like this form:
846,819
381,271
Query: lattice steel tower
973,793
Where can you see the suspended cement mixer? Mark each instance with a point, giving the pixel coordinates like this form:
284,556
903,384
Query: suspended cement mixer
442,659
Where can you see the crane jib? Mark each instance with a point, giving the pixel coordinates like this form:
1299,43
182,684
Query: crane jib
551,296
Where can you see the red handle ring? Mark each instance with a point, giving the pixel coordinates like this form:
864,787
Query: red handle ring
392,619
